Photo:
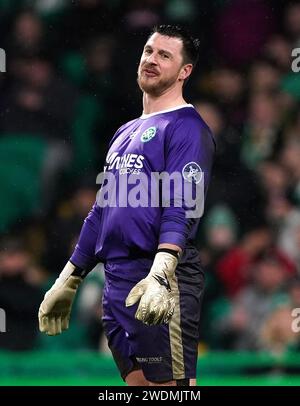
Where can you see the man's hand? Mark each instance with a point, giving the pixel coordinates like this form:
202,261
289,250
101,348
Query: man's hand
55,310
157,302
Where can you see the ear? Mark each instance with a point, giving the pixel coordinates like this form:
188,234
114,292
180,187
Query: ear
185,71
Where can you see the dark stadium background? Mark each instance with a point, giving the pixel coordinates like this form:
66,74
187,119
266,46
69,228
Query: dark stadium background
70,82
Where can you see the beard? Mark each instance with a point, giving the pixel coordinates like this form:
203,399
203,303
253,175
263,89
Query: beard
155,86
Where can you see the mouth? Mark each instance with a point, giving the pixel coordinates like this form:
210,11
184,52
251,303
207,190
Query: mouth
150,73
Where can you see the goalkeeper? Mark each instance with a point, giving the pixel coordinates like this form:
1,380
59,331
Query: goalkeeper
153,277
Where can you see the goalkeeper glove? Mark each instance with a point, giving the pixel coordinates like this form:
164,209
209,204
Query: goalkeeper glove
55,309
157,302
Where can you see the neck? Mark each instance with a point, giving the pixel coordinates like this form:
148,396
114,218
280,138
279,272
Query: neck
167,100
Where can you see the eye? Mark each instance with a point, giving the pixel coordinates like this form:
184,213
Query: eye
147,51
165,56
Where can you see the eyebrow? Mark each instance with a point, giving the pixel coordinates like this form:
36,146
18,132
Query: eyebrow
160,50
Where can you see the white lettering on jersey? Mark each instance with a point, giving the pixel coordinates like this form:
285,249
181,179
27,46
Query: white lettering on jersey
122,163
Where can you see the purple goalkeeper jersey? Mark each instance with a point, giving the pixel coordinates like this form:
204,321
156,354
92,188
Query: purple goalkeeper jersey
171,141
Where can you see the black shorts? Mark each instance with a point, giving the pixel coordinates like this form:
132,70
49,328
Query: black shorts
163,352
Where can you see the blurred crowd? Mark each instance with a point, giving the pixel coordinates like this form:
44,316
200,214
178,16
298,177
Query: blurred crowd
71,82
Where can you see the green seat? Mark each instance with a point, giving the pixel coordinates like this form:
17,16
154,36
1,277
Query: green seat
21,160
23,149
87,112
19,194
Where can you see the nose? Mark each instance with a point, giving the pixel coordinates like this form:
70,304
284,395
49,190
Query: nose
151,59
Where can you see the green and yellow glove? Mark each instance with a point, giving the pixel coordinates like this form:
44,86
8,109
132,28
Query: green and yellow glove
55,309
157,301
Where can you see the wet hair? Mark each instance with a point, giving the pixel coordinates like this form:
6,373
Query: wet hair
191,45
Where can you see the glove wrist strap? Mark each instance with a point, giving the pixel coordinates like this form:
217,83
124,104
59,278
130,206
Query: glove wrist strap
164,263
82,273
175,253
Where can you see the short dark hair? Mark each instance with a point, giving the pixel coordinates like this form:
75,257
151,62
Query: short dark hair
190,45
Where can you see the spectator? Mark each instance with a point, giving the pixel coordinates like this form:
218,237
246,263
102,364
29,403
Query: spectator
277,334
254,304
20,295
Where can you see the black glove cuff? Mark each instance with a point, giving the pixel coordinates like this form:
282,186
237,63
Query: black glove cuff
170,251
82,273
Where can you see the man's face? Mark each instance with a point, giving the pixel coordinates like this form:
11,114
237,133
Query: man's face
161,64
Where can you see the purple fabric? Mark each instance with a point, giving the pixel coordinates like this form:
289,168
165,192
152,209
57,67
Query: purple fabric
116,233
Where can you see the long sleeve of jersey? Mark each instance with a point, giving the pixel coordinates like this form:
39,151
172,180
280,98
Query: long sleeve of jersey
84,253
189,152
175,141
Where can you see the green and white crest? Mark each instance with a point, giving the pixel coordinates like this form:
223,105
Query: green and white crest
148,134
